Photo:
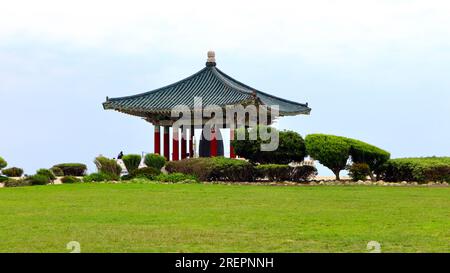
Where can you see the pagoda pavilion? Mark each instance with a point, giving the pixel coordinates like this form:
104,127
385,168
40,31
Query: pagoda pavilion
214,88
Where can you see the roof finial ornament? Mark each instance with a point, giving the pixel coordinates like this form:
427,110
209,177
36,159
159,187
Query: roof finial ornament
211,61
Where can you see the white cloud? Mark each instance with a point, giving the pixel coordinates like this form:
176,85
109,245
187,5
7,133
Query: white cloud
321,30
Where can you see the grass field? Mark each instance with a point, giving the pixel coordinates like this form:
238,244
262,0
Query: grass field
220,218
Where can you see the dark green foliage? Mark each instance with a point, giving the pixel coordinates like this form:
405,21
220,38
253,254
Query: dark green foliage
214,169
291,147
13,172
3,178
359,171
17,183
373,156
126,177
57,171
107,166
47,173
274,172
38,179
147,172
176,178
100,177
73,169
331,151
155,160
132,162
3,163
418,169
70,180
303,173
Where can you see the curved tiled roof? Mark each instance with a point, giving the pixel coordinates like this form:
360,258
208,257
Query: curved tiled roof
211,84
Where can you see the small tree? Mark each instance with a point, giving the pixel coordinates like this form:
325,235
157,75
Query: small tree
132,162
373,156
331,151
291,147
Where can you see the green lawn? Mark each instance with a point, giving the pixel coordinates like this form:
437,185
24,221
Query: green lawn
220,218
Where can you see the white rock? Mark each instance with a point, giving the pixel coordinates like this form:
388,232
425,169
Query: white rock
321,183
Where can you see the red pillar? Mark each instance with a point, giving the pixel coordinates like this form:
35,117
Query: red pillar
191,142
166,143
232,154
183,143
213,142
175,145
157,148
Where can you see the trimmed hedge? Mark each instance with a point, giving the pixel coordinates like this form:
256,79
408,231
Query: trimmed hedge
13,172
373,156
38,179
132,162
72,169
176,178
155,160
100,177
214,169
70,180
274,172
147,172
418,169
107,166
303,173
17,183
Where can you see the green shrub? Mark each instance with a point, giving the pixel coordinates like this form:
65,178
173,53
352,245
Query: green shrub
72,169
17,183
214,169
303,173
274,172
132,162
100,177
418,169
359,171
3,178
331,151
147,172
13,172
373,156
45,172
107,166
176,178
38,179
57,171
3,163
155,160
70,180
291,147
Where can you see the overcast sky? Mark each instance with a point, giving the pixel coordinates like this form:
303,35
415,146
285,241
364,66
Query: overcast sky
372,70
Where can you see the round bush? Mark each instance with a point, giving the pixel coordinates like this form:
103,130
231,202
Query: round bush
3,163
38,179
132,162
70,180
359,171
147,172
47,173
57,171
17,183
108,166
13,172
74,169
155,160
